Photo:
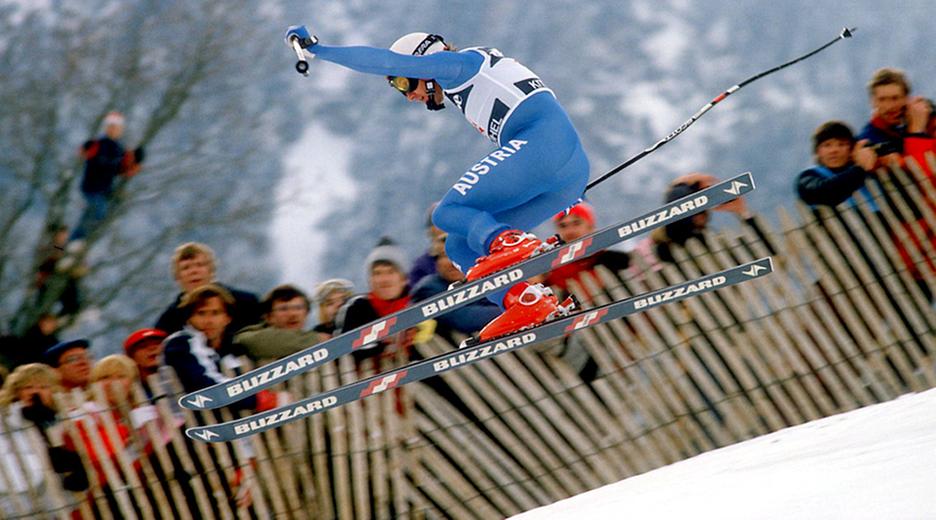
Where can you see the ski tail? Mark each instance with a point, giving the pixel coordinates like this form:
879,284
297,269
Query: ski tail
419,370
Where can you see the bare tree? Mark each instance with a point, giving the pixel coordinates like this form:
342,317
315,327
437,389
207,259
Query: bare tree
196,94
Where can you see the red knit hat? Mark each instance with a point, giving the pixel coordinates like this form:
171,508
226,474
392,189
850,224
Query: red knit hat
582,210
131,342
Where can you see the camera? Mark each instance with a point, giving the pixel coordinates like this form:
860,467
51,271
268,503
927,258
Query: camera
887,147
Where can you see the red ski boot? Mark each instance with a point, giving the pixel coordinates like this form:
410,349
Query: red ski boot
526,306
508,248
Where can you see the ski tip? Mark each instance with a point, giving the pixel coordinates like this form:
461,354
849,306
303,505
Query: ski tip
202,434
748,178
196,401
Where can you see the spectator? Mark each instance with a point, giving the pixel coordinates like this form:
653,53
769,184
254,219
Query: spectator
194,265
27,397
283,331
899,122
571,226
117,373
198,351
330,296
145,348
841,168
425,265
466,320
105,158
901,126
49,255
386,273
32,345
72,360
656,249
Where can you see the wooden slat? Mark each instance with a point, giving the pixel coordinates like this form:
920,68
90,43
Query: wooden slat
478,395
338,434
499,477
862,353
203,451
873,309
179,446
789,299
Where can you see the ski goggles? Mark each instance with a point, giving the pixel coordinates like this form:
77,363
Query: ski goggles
402,84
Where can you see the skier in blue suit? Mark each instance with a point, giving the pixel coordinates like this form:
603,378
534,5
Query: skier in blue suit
538,169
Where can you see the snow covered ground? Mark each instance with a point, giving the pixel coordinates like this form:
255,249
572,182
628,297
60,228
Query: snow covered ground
877,462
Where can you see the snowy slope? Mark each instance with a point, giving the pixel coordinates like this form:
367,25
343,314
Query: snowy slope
877,462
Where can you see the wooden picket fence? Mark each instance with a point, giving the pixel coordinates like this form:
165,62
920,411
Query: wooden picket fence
842,323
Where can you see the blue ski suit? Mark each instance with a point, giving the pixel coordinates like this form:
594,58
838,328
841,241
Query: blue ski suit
539,167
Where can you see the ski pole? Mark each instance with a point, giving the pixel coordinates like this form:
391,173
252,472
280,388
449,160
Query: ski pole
846,33
302,66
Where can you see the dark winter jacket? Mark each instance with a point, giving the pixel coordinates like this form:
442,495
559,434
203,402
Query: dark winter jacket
363,309
104,160
423,266
817,187
197,364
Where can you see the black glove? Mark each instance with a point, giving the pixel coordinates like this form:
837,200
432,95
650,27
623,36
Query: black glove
38,413
139,155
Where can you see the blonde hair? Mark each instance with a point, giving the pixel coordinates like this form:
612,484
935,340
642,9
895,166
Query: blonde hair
23,376
114,365
888,76
190,250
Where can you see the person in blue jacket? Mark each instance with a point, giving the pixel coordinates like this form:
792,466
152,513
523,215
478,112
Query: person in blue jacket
538,168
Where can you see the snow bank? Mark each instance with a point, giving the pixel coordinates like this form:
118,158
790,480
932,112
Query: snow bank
877,462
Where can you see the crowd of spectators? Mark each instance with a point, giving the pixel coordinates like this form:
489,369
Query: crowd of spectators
209,325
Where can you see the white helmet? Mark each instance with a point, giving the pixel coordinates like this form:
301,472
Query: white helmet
418,44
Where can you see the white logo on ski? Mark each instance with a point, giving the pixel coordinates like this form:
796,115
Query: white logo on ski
735,188
200,401
385,383
754,270
206,435
571,253
374,333
586,320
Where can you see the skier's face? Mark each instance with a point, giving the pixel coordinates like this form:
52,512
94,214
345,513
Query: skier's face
421,94
834,153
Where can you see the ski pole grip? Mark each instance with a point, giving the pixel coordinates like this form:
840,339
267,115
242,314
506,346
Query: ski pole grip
302,66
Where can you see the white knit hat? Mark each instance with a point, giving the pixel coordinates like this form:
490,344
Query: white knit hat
113,118
386,251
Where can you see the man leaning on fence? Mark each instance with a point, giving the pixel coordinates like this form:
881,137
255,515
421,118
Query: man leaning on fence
198,351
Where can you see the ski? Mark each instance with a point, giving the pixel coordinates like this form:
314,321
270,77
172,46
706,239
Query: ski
419,370
251,382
